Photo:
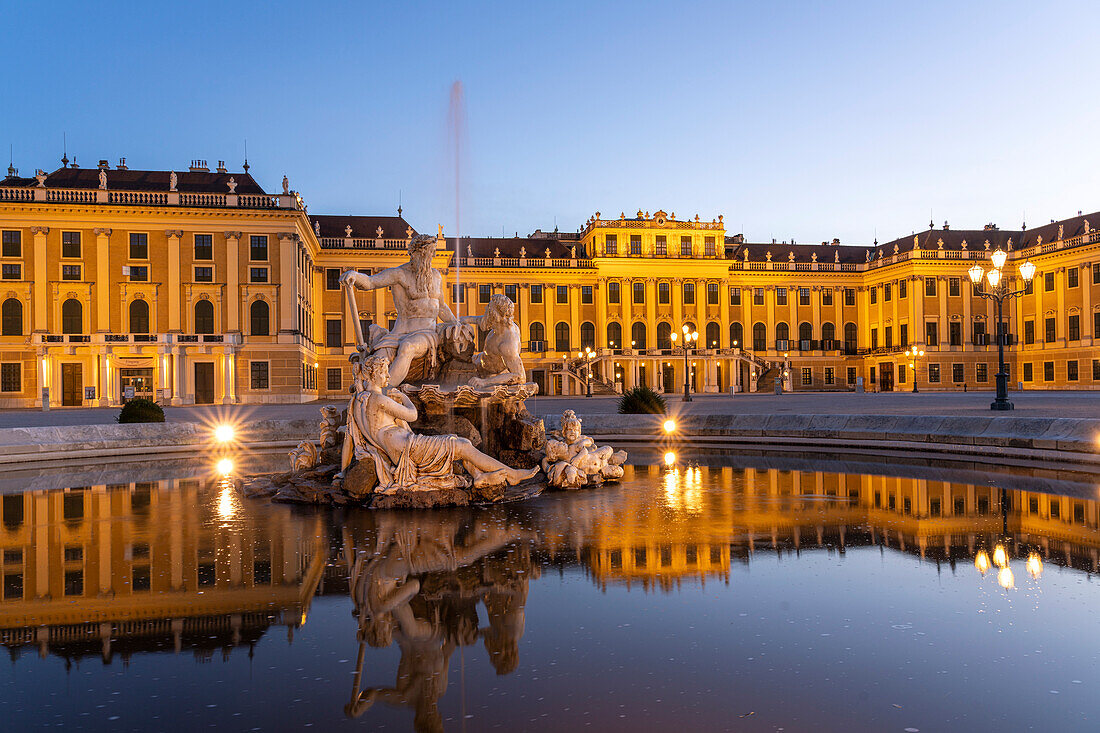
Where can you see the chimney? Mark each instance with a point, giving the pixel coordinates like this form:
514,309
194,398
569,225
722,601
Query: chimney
103,165
199,166
836,241
221,166
122,164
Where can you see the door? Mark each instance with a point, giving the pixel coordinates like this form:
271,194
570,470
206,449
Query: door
886,377
72,385
667,374
538,376
140,381
204,383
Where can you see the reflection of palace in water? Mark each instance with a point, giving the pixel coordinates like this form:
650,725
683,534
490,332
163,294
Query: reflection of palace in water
695,532
143,566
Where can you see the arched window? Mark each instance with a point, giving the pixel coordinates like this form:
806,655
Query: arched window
638,336
614,335
537,332
260,317
561,337
737,338
12,317
588,335
664,335
204,317
828,332
805,331
850,340
713,335
759,336
782,331
139,316
72,316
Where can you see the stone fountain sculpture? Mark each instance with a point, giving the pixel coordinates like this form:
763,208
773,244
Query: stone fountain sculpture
430,422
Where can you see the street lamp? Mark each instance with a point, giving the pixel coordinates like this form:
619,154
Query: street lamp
689,337
587,355
913,354
998,292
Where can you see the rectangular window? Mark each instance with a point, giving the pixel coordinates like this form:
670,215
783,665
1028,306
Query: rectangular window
636,244
931,333
511,292
954,333
611,244
1096,325
334,333
1072,275
664,293
685,246
803,296
484,292
1029,332
204,247
689,293
458,294
257,274
981,372
70,272
1096,370
889,337
758,296
874,338
257,248
1074,330
12,243
851,375
903,287
712,293
639,292
660,247
849,296
874,294
332,278
807,376
1071,370
1096,273
954,287
139,273
930,287
1051,330
886,292
1029,371
901,374
12,271
334,379
11,377
586,294
830,378
614,296
536,293
563,294
708,244
957,373
139,246
1048,371
735,296
934,373
827,296
903,334
70,244
259,374
1048,282
780,296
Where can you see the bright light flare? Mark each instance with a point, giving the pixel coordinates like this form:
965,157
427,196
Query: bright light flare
670,426
1000,557
1034,565
981,561
224,433
1006,579
225,467
670,458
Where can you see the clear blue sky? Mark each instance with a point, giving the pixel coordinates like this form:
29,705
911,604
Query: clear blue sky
803,120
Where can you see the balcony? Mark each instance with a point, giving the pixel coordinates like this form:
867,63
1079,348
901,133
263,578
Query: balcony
536,347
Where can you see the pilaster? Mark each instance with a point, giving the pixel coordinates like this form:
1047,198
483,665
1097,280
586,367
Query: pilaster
103,279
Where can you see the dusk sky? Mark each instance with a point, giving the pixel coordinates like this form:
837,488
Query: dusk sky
794,120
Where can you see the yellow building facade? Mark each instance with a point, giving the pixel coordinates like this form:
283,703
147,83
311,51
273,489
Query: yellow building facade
199,286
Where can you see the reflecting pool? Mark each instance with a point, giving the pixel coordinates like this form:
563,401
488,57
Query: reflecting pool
736,594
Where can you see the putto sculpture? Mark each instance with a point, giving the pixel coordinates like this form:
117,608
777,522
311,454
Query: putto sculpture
575,461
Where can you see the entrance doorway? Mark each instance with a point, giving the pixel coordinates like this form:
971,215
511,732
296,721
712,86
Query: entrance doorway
886,377
72,385
667,378
204,383
139,380
538,376
642,376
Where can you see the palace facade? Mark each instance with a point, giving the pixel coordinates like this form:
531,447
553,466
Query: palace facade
200,286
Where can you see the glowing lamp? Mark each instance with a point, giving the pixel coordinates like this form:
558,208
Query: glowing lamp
670,426
999,258
994,278
976,272
1000,557
686,329
1034,565
1027,271
981,561
224,433
672,336
1006,579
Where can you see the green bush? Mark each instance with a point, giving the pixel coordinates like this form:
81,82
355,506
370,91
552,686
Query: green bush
140,409
641,400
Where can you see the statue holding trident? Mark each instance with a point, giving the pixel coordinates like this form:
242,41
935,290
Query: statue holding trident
417,290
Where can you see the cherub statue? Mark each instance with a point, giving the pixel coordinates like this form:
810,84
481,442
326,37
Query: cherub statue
575,460
500,362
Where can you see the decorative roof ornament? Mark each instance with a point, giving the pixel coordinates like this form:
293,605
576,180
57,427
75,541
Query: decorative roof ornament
790,257
867,257
1039,239
102,180
745,253
40,176
232,183
547,253
378,232
836,256
813,258
622,216
916,242
769,256
987,245
1010,244
408,232
286,186
1087,227
173,179
523,253
964,245
939,243
719,218
640,214
1061,231
317,227
895,247
573,252
347,230
496,253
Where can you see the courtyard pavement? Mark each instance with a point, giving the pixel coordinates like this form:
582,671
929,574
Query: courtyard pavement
1082,404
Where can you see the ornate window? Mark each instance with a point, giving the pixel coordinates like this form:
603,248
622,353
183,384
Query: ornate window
72,316
204,317
714,332
11,314
588,335
736,335
638,336
139,316
664,335
614,335
260,319
561,336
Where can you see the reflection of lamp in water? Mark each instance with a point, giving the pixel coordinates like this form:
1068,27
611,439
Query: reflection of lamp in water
1034,565
227,502
981,561
225,467
1000,557
1005,579
670,458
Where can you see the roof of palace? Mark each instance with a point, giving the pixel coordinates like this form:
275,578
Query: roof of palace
125,179
975,239
510,247
362,227
780,252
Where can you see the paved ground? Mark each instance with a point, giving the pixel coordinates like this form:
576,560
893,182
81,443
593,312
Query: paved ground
1028,404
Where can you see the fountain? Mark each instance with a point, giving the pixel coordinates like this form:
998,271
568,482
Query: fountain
432,422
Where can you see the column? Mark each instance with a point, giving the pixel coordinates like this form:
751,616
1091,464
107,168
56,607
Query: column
103,388
103,280
233,281
175,281
42,278
179,375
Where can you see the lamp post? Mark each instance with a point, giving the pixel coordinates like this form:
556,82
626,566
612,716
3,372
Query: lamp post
998,292
689,337
587,355
913,354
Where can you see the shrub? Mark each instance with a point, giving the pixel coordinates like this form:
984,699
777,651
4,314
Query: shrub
140,409
641,400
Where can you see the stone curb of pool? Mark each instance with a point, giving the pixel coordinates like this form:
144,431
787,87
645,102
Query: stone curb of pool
996,438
